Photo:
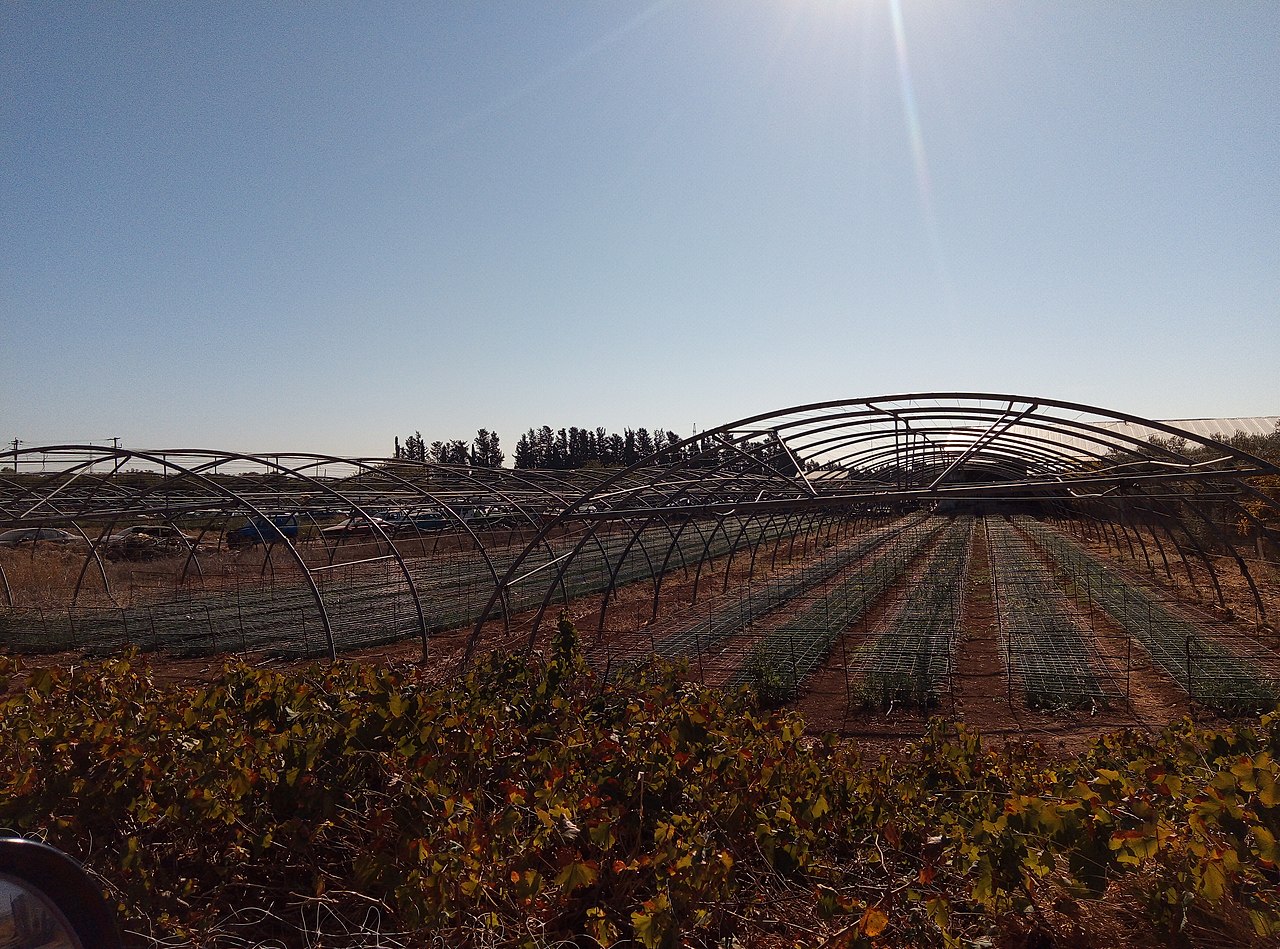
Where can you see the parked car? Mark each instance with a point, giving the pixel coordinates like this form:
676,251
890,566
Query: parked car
496,516
143,541
356,526
411,522
160,533
21,536
263,530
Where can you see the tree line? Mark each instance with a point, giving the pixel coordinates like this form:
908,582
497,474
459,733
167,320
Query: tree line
545,447
485,450
574,447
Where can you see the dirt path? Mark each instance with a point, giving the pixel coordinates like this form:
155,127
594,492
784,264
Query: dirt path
825,700
981,685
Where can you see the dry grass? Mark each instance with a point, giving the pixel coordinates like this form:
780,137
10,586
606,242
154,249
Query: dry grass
57,578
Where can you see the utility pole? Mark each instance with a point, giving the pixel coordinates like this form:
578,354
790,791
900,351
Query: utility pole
15,455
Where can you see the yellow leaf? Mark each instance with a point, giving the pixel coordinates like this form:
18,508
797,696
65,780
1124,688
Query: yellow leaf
1268,789
653,925
577,874
1268,851
873,922
1213,881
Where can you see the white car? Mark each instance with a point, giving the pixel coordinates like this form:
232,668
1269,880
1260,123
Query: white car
147,540
160,532
21,536
357,526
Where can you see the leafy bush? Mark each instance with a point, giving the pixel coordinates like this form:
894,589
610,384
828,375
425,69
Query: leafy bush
772,686
530,802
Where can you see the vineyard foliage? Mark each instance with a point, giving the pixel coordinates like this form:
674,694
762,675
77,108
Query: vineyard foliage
529,802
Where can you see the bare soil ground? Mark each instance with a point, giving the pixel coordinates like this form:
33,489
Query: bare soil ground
826,702
981,696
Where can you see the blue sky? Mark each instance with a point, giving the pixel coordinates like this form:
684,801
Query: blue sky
314,227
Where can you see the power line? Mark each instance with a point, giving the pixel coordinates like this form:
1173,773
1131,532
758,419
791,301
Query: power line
90,442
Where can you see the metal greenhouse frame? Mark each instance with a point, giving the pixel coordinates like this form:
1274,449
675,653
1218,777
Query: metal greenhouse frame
462,560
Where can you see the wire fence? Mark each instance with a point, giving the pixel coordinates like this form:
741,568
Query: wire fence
1215,664
1045,646
911,661
796,645
372,599
691,632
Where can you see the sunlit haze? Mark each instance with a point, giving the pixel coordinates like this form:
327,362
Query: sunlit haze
316,227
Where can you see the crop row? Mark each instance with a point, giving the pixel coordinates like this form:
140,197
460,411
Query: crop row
790,652
1045,649
910,661
373,602
1209,670
691,635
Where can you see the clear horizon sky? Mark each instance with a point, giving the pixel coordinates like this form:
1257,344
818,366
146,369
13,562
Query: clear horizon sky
314,227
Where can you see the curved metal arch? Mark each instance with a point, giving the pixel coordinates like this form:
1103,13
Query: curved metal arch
878,443
893,452
708,538
681,491
379,468
1022,446
1207,560
408,575
611,588
734,546
1072,425
277,481
886,459
258,511
1193,543
1156,426
1107,439
160,459
590,534
755,548
1072,449
93,548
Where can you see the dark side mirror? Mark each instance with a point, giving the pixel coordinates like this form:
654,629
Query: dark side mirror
48,901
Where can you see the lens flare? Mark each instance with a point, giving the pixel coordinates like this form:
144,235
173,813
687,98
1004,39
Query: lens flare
912,116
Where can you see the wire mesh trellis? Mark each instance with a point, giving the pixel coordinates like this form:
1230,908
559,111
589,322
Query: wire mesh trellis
376,551
910,660
1046,648
796,644
1215,664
